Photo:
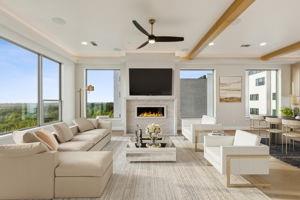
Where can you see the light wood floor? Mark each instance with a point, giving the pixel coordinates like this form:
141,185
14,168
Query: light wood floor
188,178
284,179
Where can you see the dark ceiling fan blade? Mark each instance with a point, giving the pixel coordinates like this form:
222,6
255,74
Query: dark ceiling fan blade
144,44
168,39
138,26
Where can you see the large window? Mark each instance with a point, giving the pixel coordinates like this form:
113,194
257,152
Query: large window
105,100
51,91
22,90
261,92
196,93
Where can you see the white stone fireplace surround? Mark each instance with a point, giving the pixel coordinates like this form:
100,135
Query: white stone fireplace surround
167,122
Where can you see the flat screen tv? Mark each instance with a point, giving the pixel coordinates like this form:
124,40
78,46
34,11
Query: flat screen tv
150,82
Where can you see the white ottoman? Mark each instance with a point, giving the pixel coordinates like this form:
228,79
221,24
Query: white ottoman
82,174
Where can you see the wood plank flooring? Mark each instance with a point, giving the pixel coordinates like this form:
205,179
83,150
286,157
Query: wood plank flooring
190,178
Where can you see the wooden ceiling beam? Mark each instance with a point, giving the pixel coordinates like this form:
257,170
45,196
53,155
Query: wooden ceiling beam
233,12
285,50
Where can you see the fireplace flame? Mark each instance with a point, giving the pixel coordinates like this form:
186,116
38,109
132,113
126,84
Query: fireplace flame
151,114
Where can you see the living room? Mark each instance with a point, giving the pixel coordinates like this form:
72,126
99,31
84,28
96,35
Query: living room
109,109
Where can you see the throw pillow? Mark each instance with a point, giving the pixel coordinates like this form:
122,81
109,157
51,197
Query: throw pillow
30,137
48,139
84,124
94,122
63,131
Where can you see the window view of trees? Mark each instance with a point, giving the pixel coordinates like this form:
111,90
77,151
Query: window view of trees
19,83
105,99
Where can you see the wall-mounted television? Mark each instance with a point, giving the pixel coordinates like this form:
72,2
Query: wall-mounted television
150,81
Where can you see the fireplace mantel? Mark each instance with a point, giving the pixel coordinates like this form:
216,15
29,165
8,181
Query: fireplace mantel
167,122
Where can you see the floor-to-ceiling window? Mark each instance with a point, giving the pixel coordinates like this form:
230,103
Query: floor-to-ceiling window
22,89
51,90
196,93
105,100
262,92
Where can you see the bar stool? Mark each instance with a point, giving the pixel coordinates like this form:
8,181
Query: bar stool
258,123
288,134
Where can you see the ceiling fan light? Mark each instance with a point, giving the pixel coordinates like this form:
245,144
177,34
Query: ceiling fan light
151,41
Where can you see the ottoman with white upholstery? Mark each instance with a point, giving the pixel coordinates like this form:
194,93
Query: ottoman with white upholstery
82,174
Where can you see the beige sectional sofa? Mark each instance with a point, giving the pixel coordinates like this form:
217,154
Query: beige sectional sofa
90,140
32,171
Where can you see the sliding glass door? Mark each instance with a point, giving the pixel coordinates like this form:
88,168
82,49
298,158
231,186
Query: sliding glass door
196,93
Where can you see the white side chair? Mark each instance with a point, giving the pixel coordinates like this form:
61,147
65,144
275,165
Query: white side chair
241,154
195,129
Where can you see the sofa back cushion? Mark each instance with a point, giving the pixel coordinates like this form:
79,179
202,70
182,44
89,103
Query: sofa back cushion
243,138
26,149
208,120
63,131
84,124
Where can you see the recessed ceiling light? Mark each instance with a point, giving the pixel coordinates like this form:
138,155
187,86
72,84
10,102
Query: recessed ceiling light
263,44
84,43
58,20
211,44
245,45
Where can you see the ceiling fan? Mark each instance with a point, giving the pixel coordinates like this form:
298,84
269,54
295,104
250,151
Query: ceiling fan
152,38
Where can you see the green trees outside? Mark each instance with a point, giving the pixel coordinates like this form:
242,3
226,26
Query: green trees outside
24,115
95,109
15,116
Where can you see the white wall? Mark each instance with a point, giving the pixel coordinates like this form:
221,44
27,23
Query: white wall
232,115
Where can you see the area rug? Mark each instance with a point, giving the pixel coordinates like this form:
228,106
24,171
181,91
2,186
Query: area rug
292,157
190,178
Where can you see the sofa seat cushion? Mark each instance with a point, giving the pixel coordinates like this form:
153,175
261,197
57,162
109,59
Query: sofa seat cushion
87,164
92,138
98,131
214,153
75,146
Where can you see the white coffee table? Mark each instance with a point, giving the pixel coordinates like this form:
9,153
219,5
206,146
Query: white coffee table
165,153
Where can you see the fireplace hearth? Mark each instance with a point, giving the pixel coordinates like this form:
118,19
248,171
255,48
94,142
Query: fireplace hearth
150,111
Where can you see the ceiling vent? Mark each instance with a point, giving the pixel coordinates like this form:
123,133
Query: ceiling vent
246,45
94,43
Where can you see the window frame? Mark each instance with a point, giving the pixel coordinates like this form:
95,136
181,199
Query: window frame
278,90
41,92
256,97
40,100
214,89
86,92
260,80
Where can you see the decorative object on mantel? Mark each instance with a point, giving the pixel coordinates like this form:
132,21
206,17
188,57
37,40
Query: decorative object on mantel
89,88
230,89
153,130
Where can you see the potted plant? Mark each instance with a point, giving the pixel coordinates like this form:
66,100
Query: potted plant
287,112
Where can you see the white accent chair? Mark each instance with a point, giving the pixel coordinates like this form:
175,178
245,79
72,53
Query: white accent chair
194,129
239,155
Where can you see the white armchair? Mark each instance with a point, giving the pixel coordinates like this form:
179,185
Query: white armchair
239,155
194,129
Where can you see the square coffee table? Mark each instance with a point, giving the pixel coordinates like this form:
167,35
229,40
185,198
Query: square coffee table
164,152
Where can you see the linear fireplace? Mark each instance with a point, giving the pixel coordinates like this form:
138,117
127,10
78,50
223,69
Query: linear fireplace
151,111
